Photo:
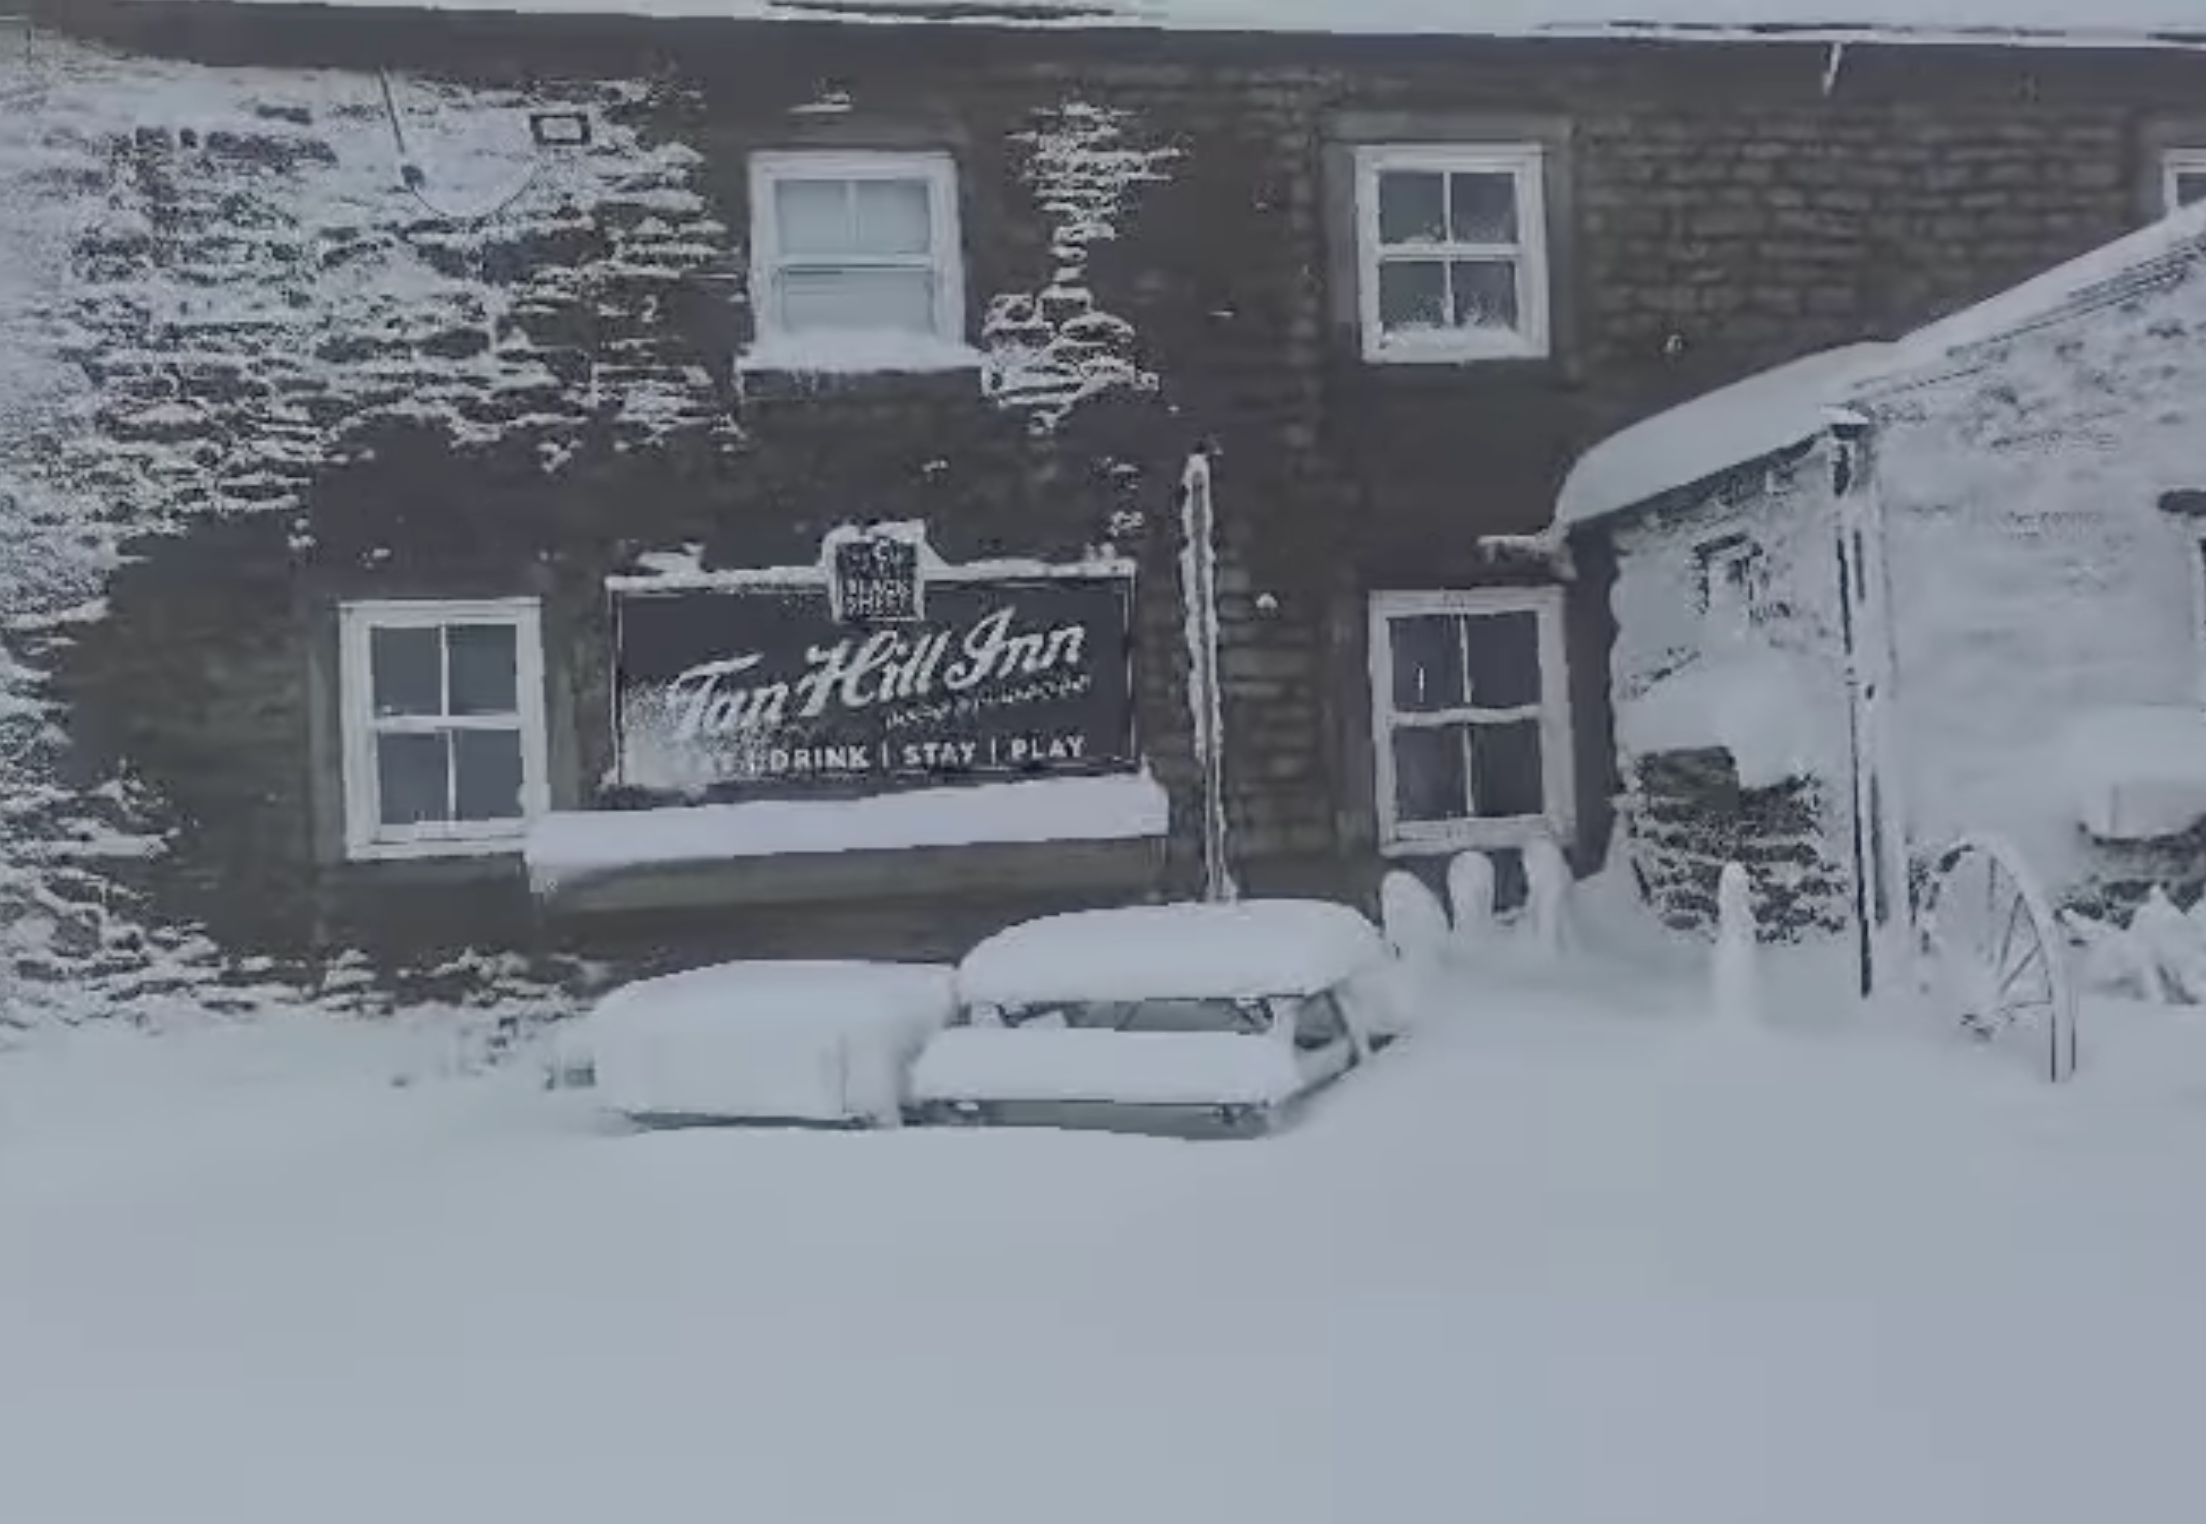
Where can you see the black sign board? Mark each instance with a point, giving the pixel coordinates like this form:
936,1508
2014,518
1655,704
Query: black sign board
876,581
759,692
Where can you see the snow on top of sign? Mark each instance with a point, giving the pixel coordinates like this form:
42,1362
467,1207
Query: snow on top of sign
567,847
1792,403
1761,415
2035,21
1144,952
1132,1068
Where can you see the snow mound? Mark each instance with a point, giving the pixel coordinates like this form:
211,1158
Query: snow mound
1157,952
1135,1068
2139,773
1750,701
820,1042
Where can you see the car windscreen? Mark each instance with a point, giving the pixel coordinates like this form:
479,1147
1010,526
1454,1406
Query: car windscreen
1242,1017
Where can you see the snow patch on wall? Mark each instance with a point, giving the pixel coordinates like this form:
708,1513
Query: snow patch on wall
1051,349
2037,584
212,282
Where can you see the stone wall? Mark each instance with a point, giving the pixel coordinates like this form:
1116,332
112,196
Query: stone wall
1724,209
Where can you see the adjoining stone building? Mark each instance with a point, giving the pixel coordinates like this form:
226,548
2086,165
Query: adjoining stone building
453,393
1890,597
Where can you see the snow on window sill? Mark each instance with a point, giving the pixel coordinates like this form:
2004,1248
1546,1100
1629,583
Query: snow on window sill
1431,839
507,841
1451,348
857,354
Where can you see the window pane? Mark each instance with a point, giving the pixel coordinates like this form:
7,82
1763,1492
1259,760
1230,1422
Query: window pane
489,769
812,217
2190,187
1482,208
1413,207
892,217
1485,293
901,301
1429,781
1428,663
406,668
483,668
1505,659
1505,770
410,778
1413,294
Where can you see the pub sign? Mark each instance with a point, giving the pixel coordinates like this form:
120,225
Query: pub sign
748,691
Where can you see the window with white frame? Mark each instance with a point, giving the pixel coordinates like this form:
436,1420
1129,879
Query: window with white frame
2182,178
856,245
1452,253
1470,718
443,722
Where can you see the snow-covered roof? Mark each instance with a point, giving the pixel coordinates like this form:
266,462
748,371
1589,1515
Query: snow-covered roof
1768,412
1776,409
1154,952
2043,22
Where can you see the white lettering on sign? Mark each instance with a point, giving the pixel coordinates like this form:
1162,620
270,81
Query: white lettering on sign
887,666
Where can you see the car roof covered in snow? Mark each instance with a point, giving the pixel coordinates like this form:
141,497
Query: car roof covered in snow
1777,409
2041,22
1144,952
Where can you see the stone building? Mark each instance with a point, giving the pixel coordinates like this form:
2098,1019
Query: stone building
436,399
1893,596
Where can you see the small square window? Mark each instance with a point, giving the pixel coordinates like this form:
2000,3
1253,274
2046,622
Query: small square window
856,248
2182,178
443,719
1731,575
1452,253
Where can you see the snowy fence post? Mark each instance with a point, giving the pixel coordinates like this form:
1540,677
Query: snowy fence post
1547,896
1206,700
1735,980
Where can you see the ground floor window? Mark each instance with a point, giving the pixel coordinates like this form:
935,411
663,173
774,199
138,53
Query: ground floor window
443,720
1470,718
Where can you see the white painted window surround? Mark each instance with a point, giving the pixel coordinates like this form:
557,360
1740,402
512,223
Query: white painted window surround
856,251
2182,178
1470,723
1452,257
442,725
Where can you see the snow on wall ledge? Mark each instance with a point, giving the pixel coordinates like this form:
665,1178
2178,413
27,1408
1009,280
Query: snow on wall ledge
565,849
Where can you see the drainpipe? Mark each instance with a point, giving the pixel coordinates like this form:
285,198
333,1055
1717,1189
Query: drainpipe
1882,901
1205,691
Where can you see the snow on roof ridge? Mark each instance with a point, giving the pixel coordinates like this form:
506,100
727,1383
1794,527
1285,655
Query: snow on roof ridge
1773,410
1997,23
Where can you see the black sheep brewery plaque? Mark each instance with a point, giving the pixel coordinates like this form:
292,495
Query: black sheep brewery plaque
747,692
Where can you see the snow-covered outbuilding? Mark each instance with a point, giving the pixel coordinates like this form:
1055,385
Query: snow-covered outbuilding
1886,595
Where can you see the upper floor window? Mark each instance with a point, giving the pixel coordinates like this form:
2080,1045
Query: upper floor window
2182,177
1452,253
443,725
856,248
1731,577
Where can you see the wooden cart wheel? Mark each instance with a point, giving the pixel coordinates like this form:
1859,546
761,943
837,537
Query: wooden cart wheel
1992,955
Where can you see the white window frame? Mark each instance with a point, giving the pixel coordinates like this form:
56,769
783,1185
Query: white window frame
946,248
2176,165
1399,838
1525,164
366,836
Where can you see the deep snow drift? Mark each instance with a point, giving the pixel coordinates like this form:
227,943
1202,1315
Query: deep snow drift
1550,1261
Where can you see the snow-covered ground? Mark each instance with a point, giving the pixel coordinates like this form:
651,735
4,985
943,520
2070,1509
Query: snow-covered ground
1557,1259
